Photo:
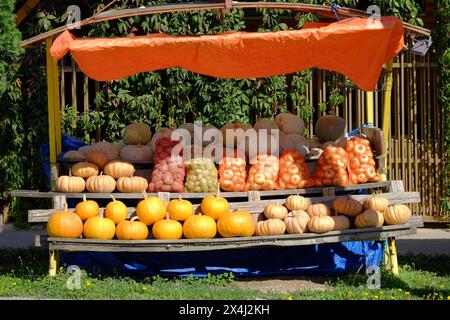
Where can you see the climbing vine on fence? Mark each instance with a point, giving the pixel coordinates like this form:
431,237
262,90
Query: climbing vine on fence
442,46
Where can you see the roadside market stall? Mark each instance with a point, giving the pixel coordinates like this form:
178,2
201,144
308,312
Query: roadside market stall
357,47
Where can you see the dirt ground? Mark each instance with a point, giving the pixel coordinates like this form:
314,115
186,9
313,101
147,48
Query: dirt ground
283,284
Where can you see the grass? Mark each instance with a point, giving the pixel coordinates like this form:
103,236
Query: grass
23,273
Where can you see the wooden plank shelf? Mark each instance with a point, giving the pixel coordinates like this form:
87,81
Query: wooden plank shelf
200,195
185,245
256,207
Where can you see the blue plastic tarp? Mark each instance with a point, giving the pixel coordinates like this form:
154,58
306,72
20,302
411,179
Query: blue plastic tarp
323,259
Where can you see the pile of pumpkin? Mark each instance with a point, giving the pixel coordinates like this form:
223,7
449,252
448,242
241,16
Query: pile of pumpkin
179,218
172,221
298,215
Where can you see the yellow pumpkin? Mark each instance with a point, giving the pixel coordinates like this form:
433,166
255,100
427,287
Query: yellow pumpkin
297,202
87,209
369,219
199,227
214,206
131,230
297,221
270,227
341,222
376,203
238,223
70,184
85,169
275,211
99,228
118,168
116,211
131,184
180,209
397,214
64,224
347,206
167,229
101,184
321,224
318,209
151,209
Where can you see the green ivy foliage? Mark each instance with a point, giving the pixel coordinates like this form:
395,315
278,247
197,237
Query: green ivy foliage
442,46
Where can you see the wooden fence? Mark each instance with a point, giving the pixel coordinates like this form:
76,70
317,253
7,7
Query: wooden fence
415,147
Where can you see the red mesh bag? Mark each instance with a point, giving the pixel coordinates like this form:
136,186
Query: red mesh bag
168,171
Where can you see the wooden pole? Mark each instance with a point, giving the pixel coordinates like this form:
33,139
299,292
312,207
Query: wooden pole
369,108
25,10
387,107
54,114
393,256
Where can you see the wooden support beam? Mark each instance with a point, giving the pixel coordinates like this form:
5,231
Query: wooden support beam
386,118
25,10
369,108
54,112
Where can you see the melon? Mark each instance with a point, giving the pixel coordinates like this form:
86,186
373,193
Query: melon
329,127
137,133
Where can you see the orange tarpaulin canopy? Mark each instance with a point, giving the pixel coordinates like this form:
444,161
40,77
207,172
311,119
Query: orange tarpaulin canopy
355,47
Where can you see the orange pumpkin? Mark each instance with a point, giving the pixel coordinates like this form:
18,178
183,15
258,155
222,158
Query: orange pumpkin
99,228
118,168
318,209
179,209
214,206
341,222
199,227
397,214
238,223
131,230
70,184
270,227
101,184
116,211
84,169
297,202
293,171
263,173
167,229
87,209
321,224
275,211
151,209
369,219
347,206
362,166
376,203
64,224
232,172
97,156
331,168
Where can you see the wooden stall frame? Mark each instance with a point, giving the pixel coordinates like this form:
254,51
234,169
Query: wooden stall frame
54,107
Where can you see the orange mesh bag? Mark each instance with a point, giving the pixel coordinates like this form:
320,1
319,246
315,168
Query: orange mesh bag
293,173
263,173
332,167
362,166
232,172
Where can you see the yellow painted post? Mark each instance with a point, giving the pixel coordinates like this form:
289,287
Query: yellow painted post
393,256
54,114
387,104
387,258
369,108
53,264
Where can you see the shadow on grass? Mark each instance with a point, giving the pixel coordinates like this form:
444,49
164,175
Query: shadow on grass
24,262
439,264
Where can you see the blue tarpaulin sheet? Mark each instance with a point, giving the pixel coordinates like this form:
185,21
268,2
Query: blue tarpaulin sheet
321,259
